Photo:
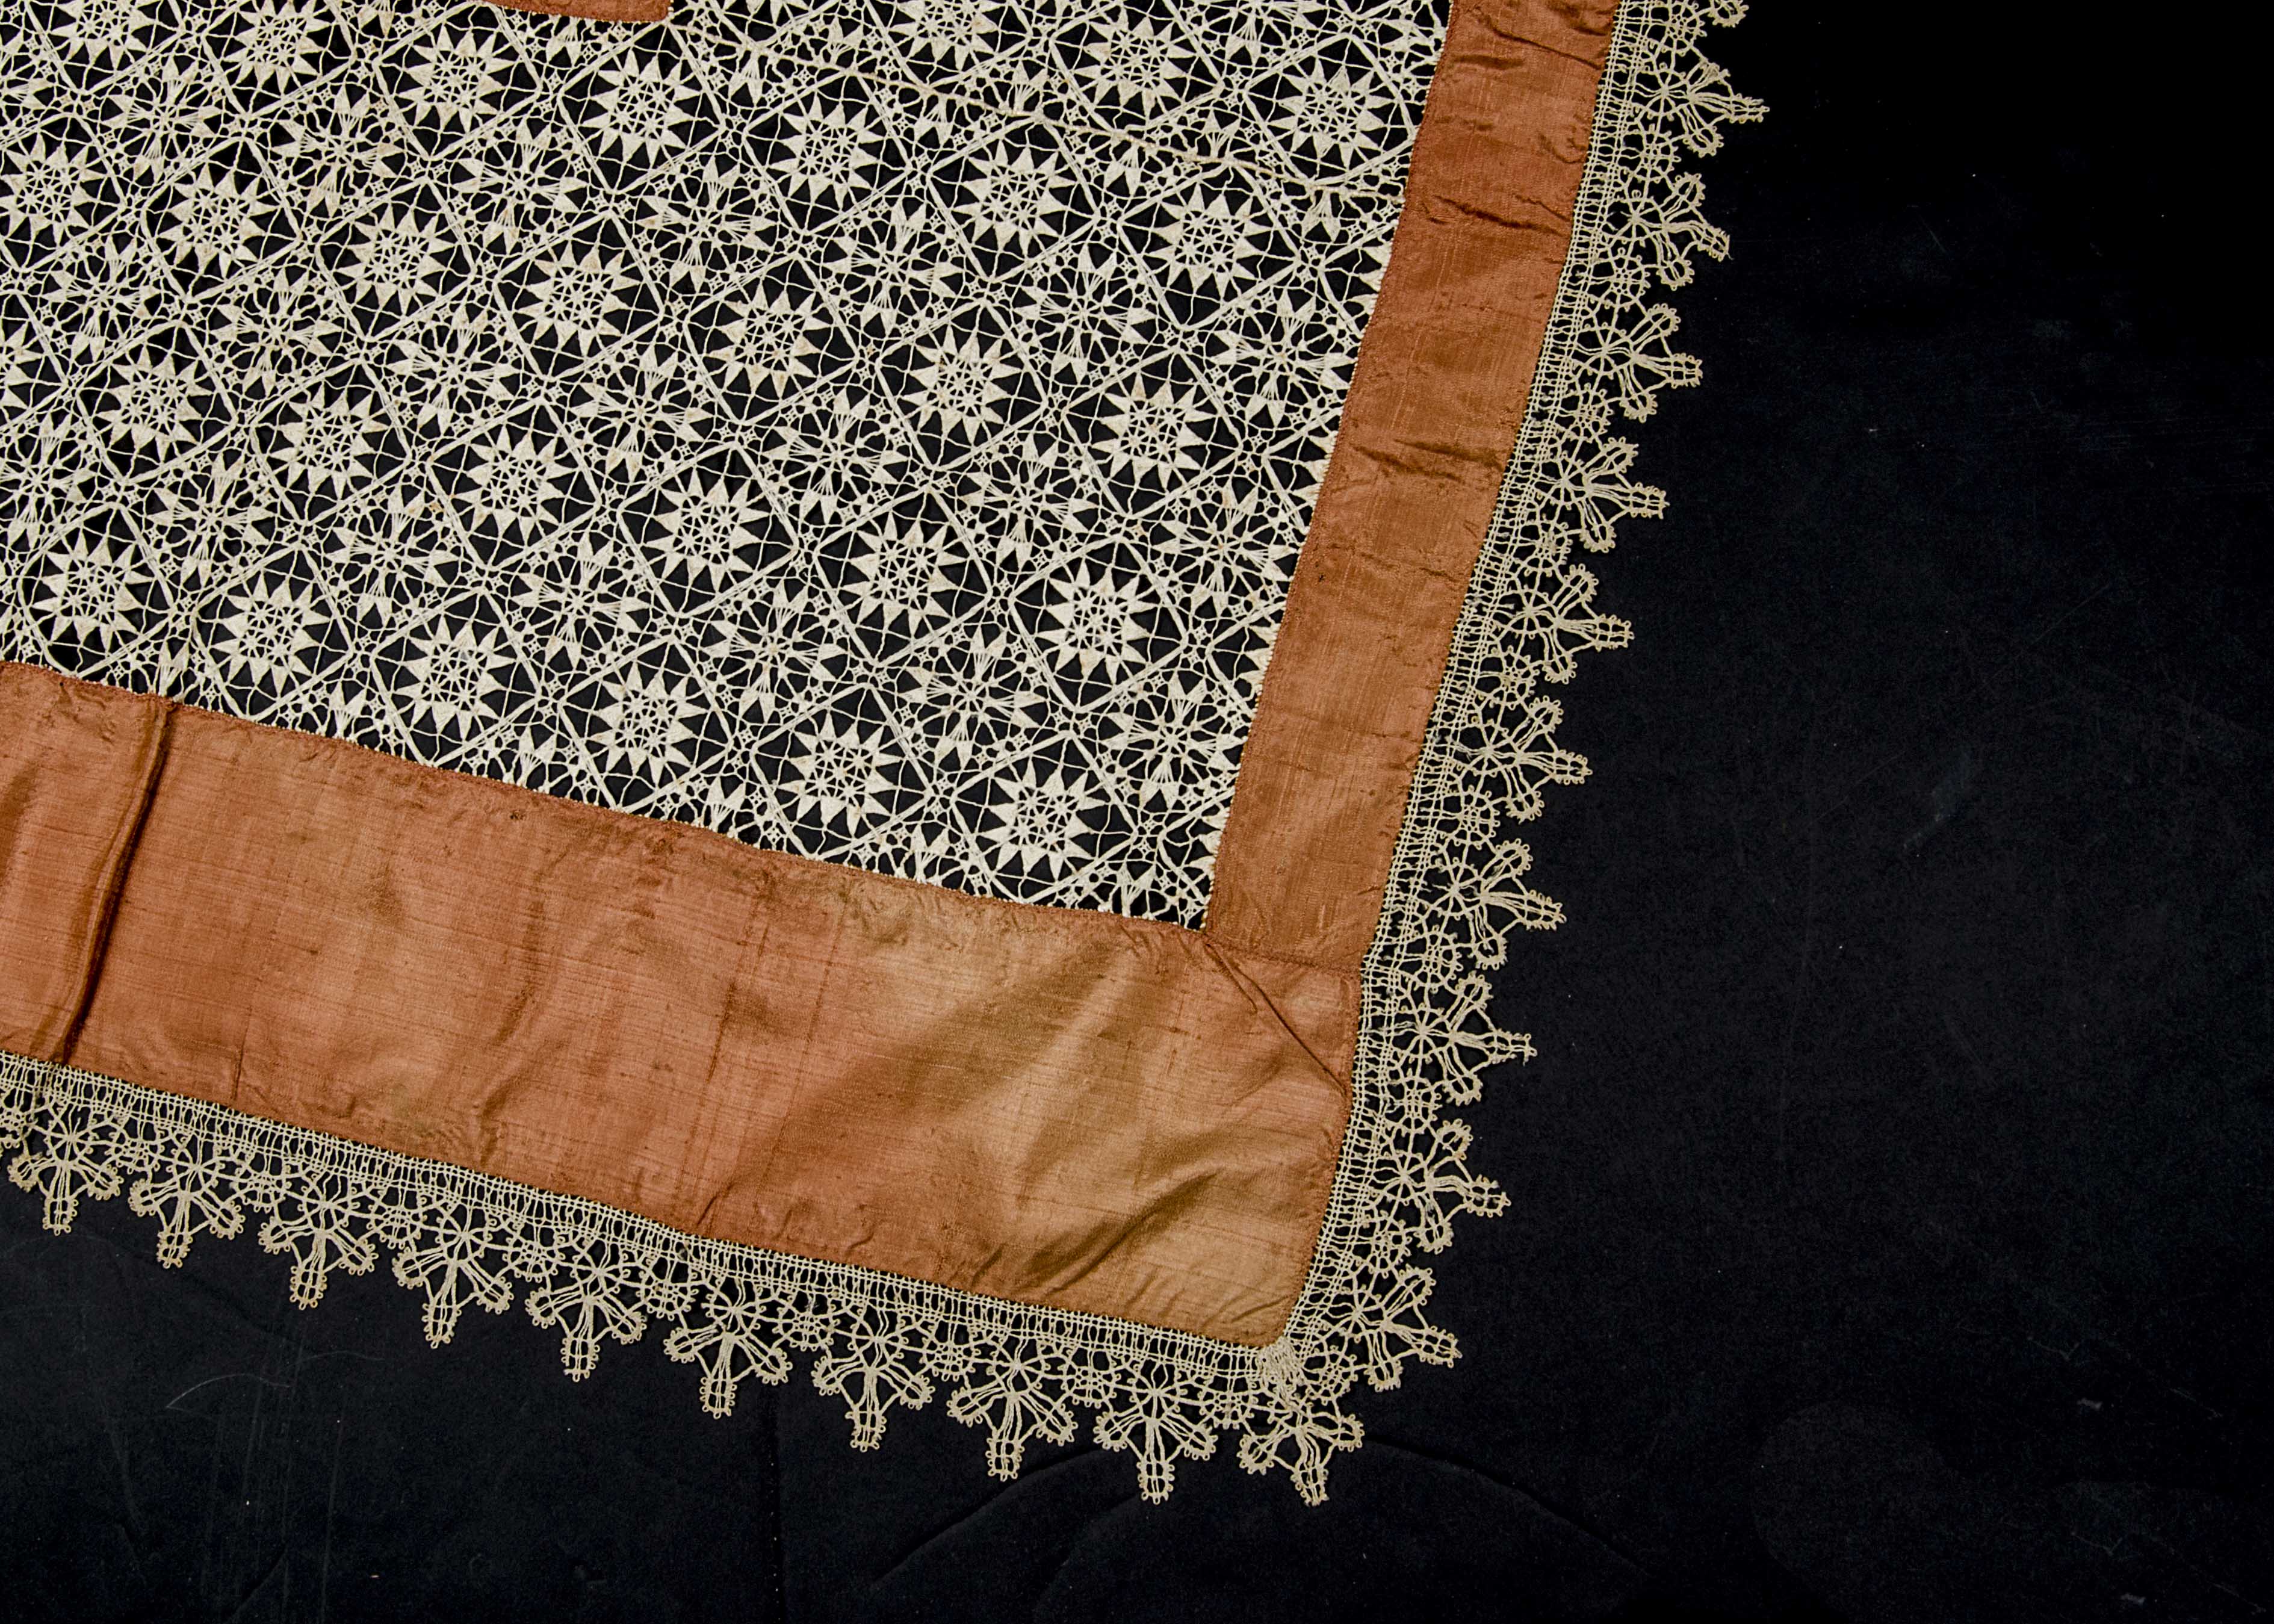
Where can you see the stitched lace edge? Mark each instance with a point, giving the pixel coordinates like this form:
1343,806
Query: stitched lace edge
1425,1041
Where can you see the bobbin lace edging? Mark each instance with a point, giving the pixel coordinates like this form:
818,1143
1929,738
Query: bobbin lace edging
1456,891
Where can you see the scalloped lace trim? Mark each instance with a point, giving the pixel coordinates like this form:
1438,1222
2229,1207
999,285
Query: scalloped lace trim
1456,891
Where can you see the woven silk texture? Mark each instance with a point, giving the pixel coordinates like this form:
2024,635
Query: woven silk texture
847,675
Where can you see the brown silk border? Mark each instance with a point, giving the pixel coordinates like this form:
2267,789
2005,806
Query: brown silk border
1075,1109
1095,1112
1442,379
600,10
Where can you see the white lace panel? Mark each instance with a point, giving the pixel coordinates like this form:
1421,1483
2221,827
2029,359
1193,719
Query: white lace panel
879,432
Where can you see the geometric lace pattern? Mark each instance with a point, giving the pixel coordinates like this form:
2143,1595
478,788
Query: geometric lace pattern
879,432
1024,1375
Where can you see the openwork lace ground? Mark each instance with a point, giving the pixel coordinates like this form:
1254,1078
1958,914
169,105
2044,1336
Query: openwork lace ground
1426,1042
880,430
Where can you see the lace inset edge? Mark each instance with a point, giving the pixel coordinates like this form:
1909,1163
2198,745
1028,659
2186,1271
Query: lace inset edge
1455,893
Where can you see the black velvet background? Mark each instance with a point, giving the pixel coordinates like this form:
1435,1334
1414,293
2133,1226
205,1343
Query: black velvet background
1895,1189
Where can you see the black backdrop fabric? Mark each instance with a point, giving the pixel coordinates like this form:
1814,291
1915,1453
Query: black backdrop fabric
1893,1191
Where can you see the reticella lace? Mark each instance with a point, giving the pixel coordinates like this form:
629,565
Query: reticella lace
883,434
